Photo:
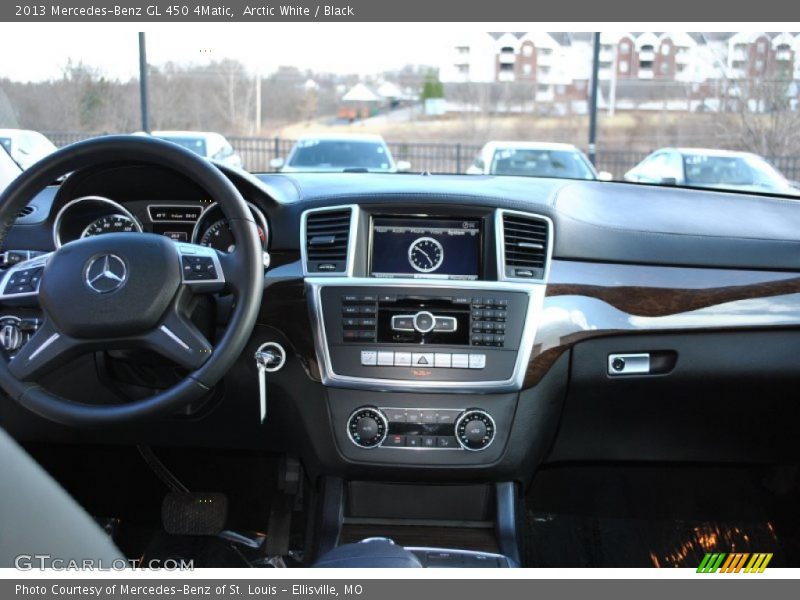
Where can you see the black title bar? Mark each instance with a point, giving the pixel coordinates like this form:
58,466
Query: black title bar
586,11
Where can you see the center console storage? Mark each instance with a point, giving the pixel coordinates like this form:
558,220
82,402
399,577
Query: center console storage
461,525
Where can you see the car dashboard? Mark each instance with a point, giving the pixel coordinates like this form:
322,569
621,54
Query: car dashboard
451,328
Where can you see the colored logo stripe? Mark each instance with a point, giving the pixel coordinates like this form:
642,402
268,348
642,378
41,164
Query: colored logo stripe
758,563
734,562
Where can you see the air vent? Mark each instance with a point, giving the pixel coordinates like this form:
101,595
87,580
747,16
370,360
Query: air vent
28,210
525,243
327,239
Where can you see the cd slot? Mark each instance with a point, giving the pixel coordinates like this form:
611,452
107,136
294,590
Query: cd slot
423,320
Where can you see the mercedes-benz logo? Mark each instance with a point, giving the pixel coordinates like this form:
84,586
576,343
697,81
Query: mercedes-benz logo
106,273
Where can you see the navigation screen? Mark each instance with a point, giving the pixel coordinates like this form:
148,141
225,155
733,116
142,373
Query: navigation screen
426,248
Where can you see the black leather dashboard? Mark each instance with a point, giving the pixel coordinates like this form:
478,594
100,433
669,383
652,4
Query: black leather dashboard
594,221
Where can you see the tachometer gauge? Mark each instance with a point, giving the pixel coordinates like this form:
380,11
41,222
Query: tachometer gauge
219,237
425,254
110,224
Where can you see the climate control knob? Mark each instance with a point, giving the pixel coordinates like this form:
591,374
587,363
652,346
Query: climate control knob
367,427
475,429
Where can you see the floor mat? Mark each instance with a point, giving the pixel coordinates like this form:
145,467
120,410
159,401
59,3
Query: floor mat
573,541
660,516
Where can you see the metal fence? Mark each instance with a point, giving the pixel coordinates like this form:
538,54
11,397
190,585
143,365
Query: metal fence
257,152
618,162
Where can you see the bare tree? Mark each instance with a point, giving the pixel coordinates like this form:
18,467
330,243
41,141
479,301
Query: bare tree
762,117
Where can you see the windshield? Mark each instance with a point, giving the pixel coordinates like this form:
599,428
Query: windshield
540,163
195,144
710,171
717,110
339,155
8,168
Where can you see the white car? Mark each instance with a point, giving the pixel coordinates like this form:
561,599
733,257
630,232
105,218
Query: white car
205,143
342,152
719,169
534,159
8,168
26,146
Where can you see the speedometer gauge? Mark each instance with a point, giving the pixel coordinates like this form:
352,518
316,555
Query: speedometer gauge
110,224
219,237
213,230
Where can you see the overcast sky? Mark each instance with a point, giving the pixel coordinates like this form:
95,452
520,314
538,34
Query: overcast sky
32,52
262,48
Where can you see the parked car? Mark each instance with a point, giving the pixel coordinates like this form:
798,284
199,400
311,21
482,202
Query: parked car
25,146
341,152
8,168
205,143
701,167
534,159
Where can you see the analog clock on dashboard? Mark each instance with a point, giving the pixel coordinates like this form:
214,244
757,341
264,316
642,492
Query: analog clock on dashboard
425,247
426,254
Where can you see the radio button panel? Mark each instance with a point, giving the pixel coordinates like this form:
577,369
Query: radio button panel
435,360
359,346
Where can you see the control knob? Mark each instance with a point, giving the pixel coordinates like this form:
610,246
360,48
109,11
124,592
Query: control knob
11,336
475,429
367,427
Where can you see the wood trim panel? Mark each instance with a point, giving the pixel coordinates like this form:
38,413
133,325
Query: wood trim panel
586,300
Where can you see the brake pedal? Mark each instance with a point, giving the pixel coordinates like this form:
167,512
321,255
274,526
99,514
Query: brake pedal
186,513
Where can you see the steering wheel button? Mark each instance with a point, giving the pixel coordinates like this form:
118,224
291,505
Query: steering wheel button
19,289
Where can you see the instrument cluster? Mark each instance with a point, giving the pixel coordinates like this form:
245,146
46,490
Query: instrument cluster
201,222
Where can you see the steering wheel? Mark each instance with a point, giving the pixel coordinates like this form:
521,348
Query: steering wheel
129,290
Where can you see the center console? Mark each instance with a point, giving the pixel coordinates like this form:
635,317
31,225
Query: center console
421,335
438,309
424,320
